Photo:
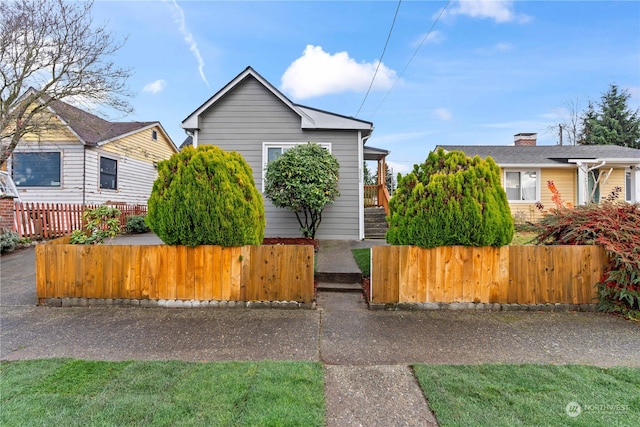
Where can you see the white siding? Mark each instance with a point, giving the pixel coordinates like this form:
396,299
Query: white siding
135,178
250,115
70,190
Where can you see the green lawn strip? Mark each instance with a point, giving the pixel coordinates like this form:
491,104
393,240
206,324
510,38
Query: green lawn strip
531,395
76,392
363,259
523,238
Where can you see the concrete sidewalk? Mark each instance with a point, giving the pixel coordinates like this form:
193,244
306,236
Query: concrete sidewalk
366,353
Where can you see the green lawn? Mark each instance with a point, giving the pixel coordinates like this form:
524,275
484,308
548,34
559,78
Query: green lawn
363,259
66,392
531,395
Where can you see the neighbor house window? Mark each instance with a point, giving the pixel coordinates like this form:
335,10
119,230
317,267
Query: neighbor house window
36,169
521,185
273,150
108,173
628,186
154,135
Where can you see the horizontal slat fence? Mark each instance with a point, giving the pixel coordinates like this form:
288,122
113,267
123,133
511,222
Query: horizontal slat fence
506,275
246,273
50,220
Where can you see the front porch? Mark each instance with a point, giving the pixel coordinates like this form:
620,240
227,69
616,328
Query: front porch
377,195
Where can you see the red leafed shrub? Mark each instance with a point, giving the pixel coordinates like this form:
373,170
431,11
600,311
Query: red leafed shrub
616,227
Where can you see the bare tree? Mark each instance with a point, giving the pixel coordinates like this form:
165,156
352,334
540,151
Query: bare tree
50,50
569,127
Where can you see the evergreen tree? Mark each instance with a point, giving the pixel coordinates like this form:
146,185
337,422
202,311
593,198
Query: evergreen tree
206,196
614,123
369,178
450,199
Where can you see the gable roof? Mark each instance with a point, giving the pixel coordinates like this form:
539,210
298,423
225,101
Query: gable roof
549,155
310,118
91,129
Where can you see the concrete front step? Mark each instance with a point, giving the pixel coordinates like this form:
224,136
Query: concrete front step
336,277
339,287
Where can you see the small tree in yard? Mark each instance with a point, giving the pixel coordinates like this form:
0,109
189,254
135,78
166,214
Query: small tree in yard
304,180
450,199
206,196
613,225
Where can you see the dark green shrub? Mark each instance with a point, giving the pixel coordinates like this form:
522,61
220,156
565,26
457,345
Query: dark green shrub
304,180
99,223
8,241
616,227
136,224
206,196
450,199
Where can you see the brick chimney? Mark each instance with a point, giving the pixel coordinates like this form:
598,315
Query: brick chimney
525,139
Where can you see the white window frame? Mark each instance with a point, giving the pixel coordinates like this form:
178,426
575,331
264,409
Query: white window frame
523,170
44,151
629,185
283,145
100,157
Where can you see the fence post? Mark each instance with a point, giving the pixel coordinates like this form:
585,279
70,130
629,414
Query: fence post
6,212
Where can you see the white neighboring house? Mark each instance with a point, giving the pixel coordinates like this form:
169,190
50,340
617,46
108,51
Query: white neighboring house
85,159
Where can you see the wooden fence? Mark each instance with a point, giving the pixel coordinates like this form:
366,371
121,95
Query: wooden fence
50,220
246,273
506,275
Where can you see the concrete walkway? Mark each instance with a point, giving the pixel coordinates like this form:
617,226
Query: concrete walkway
366,354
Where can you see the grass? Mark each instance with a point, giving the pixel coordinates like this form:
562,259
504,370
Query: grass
68,392
531,395
523,238
363,259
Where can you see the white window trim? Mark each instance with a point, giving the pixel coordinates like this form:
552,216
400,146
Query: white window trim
267,145
43,150
117,160
522,202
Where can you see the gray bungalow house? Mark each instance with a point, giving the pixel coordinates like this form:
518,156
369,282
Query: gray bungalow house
250,116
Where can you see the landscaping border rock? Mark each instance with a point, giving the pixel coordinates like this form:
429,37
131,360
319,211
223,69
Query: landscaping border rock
162,303
455,306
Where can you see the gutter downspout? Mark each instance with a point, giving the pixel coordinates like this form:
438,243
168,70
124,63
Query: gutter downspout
84,174
361,185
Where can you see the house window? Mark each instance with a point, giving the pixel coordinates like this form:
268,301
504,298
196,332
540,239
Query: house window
154,135
273,150
108,174
521,185
36,169
628,186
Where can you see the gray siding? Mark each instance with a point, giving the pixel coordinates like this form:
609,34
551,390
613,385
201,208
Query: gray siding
250,115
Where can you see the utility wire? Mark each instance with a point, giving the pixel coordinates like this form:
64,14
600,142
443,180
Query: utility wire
381,56
411,59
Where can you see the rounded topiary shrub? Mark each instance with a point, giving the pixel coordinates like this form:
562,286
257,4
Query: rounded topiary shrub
450,199
206,196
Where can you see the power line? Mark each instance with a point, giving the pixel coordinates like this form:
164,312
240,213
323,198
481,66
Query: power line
411,59
381,56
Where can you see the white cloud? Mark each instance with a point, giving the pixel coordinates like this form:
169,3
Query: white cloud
435,37
403,168
318,73
443,114
498,10
155,87
178,15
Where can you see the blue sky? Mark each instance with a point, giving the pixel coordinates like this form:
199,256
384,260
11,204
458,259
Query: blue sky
486,71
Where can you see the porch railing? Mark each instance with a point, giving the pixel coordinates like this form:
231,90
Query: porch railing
376,196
